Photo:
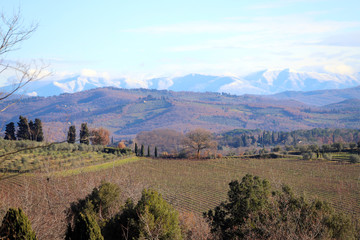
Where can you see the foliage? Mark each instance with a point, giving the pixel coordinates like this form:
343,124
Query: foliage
10,131
16,225
37,132
142,151
248,196
308,155
327,156
23,132
99,202
355,158
71,137
100,136
84,134
252,213
85,228
157,218
317,136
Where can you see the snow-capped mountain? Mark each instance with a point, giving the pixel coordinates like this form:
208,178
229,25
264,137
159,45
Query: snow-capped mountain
262,82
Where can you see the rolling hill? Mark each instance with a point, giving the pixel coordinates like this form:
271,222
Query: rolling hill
126,112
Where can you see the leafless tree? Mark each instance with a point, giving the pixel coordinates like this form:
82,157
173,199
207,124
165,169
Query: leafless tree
198,140
12,33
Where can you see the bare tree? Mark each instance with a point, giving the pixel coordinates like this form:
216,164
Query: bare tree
12,33
198,140
100,136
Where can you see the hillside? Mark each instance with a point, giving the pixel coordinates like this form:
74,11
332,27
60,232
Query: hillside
126,112
320,97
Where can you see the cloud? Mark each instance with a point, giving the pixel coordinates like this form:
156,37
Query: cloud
89,73
32,94
340,68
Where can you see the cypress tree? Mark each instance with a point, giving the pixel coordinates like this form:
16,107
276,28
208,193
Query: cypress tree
10,131
71,138
142,150
84,134
16,225
32,130
148,152
39,130
23,132
136,149
156,152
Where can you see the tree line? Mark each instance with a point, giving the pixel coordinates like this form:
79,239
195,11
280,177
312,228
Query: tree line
26,130
247,138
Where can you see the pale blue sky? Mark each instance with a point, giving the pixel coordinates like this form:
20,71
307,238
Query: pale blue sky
140,39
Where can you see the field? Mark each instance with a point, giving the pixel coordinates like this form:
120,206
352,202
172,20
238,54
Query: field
190,185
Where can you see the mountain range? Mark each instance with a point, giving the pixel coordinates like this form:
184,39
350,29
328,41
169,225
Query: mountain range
126,112
266,82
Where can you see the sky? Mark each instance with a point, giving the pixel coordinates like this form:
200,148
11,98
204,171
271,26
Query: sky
142,39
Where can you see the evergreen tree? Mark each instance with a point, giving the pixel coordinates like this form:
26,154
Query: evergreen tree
71,138
39,130
136,149
32,130
142,150
10,131
84,134
157,218
16,225
23,132
156,152
148,151
86,228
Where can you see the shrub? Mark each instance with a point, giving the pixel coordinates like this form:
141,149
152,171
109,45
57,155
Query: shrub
327,156
354,158
308,155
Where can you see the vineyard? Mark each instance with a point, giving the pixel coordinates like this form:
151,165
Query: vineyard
189,185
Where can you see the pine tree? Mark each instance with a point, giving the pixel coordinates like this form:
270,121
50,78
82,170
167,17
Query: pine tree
156,152
84,134
142,150
136,149
148,151
86,228
39,130
10,131
16,225
23,132
71,138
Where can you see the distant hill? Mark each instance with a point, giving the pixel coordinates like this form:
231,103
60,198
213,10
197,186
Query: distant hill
320,97
262,82
126,112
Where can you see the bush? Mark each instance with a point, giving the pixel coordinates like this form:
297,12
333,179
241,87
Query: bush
308,155
327,156
354,158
